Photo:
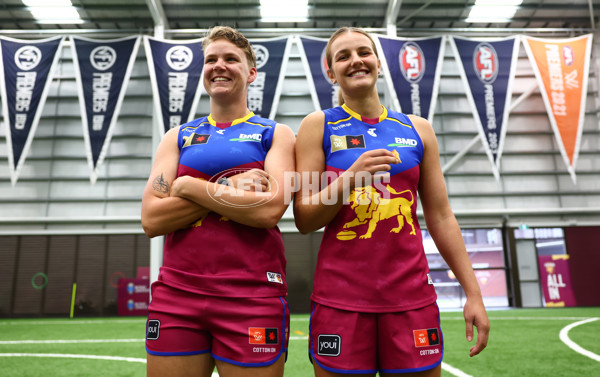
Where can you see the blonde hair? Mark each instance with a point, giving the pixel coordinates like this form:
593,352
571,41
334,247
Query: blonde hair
233,36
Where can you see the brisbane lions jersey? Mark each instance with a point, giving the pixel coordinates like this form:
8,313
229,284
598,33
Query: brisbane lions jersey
371,257
218,256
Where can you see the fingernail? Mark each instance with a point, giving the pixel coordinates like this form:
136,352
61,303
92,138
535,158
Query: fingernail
469,338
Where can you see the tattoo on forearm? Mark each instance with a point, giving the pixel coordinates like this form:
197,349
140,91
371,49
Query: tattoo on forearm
159,184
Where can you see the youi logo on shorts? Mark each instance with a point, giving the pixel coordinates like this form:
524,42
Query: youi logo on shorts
329,345
153,329
248,137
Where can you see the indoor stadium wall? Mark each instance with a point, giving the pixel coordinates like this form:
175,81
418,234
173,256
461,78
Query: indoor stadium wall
55,222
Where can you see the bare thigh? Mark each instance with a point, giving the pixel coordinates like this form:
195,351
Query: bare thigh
435,372
180,366
231,370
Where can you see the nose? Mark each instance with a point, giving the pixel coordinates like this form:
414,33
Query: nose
355,59
219,64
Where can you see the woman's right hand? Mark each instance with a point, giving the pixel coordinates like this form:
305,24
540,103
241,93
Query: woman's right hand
371,162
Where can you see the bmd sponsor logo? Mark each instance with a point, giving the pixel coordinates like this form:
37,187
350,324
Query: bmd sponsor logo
248,137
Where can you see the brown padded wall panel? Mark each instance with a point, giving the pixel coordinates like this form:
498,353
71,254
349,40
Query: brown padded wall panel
583,246
300,271
119,263
8,257
32,261
90,274
61,264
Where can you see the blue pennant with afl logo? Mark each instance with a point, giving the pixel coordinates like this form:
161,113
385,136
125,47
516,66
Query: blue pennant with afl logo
412,67
102,69
271,59
323,91
175,71
26,67
487,68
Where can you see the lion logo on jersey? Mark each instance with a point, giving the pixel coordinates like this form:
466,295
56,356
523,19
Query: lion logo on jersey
371,208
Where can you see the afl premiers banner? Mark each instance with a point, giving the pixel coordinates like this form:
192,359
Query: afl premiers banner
412,68
271,59
561,67
175,70
26,69
488,69
312,51
102,70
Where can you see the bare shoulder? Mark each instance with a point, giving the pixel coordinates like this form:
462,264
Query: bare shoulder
284,130
423,127
312,125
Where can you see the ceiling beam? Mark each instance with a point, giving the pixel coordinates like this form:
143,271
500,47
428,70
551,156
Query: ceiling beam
158,16
391,16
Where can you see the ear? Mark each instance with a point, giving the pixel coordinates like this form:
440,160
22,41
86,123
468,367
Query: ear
331,75
378,66
252,75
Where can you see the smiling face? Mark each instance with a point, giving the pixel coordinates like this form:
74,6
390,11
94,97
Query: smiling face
226,69
354,63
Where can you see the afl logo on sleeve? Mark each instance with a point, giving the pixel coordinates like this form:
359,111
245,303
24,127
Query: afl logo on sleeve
153,329
412,62
485,63
329,345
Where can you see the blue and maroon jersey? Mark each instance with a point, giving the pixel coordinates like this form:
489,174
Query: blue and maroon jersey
217,256
371,257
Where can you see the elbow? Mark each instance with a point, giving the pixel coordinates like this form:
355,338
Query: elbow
150,229
268,221
303,227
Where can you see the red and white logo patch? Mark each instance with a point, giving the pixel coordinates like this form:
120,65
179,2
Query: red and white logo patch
261,335
426,337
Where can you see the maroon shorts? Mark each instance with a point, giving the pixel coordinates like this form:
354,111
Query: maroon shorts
242,331
352,342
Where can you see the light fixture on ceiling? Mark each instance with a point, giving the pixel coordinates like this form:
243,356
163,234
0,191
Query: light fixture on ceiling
53,11
493,10
288,11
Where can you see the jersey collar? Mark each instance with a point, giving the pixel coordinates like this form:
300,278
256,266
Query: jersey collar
356,115
212,121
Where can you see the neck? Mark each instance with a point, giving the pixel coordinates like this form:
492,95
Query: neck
367,106
228,112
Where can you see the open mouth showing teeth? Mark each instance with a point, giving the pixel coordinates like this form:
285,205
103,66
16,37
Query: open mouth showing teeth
220,79
360,73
